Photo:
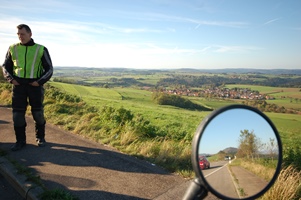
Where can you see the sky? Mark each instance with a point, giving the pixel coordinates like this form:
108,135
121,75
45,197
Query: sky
224,130
160,34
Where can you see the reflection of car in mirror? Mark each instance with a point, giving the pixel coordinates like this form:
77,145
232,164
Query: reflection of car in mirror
227,158
204,163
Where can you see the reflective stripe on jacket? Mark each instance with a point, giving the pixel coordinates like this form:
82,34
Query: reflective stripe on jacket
27,60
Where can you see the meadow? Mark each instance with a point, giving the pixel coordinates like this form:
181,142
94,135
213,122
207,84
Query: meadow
139,101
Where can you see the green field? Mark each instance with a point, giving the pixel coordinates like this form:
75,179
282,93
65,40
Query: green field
289,127
274,91
139,101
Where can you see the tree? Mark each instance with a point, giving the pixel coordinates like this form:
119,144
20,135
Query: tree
249,144
272,148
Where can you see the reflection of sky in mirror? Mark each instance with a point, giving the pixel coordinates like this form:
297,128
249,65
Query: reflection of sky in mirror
224,130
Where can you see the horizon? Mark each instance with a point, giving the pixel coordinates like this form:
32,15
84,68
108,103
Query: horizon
154,34
190,70
183,68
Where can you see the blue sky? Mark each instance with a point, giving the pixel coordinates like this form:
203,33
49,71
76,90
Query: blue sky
160,34
224,130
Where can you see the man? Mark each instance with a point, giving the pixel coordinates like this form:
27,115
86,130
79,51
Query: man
27,67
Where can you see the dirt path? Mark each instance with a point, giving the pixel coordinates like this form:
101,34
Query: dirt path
247,182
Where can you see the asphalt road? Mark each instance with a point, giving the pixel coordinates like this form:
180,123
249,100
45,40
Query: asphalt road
234,183
219,177
87,169
7,191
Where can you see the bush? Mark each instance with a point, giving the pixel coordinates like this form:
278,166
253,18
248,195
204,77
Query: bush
292,156
177,101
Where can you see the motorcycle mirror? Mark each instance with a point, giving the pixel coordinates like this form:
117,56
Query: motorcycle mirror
236,153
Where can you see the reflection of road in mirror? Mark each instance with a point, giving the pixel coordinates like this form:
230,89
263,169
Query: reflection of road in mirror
233,181
219,177
247,182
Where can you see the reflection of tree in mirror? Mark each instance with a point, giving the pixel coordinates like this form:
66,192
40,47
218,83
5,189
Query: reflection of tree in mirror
272,148
249,144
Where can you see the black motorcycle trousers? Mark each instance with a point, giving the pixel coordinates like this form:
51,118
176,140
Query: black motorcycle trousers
22,96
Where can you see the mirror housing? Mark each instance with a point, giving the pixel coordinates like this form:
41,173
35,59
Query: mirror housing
197,141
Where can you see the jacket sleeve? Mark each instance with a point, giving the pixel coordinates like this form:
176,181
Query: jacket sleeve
8,67
48,68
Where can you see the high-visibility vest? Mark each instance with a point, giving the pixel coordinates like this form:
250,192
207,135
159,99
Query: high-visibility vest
27,60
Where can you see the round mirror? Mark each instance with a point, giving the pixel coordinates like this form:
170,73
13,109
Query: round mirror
237,152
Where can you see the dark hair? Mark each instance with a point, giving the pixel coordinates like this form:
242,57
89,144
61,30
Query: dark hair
20,26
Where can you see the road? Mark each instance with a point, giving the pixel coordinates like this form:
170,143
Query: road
219,177
7,191
85,168
238,183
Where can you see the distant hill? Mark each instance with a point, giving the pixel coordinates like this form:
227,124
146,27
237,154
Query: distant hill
191,70
230,150
242,71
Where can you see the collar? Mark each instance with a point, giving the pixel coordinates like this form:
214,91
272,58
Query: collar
30,43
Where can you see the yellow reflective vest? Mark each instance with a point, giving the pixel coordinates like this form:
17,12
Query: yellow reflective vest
27,60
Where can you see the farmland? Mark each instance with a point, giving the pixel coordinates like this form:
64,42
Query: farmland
137,99
287,97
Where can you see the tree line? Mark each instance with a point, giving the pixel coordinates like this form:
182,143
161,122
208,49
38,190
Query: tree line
219,80
269,107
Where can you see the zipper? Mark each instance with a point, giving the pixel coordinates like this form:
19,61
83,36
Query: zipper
25,62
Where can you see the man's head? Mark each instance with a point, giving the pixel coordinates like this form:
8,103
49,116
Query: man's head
24,33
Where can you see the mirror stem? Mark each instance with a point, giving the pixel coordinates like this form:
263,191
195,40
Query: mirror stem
196,190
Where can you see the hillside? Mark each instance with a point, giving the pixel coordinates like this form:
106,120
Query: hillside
230,150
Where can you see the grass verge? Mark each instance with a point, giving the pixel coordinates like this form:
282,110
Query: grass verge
287,185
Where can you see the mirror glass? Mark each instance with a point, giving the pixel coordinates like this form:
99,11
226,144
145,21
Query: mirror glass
238,153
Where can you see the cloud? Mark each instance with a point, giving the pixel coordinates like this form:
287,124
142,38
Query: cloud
205,49
235,49
198,22
230,24
35,6
271,21
74,43
68,32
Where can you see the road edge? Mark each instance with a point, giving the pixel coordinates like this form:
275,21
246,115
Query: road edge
25,188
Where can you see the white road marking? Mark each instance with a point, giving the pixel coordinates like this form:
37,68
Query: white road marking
216,170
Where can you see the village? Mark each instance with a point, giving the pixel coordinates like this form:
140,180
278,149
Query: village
234,93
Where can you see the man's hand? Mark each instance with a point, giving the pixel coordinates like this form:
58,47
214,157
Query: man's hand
14,82
35,83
